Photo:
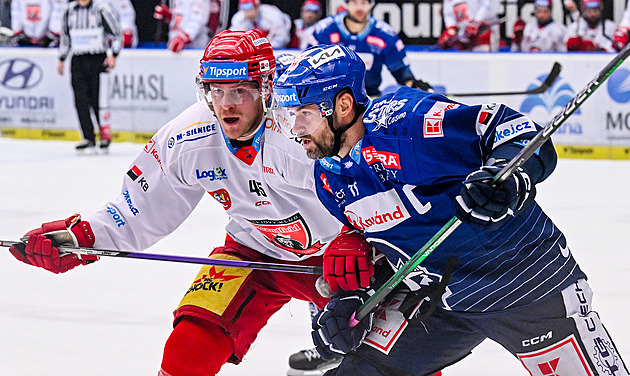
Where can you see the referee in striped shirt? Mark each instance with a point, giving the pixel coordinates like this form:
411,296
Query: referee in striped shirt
94,36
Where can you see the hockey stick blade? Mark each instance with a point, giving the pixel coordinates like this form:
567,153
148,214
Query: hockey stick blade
551,78
287,268
543,136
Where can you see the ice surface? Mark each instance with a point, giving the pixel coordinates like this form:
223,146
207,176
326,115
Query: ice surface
113,317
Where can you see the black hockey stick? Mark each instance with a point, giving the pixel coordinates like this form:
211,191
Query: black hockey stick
551,78
543,136
304,269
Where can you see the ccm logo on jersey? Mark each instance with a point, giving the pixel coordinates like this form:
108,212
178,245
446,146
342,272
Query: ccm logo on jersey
389,212
389,160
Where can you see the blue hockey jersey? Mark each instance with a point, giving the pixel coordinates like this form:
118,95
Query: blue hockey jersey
398,186
377,45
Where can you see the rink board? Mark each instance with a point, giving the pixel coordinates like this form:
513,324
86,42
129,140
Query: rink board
150,87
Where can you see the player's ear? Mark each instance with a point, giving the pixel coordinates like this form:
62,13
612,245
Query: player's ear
345,104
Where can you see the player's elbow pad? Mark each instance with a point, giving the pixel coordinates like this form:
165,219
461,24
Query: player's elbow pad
539,166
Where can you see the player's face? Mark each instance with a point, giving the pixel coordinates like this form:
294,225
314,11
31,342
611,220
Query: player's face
315,136
309,17
84,3
542,14
251,14
358,10
237,106
592,15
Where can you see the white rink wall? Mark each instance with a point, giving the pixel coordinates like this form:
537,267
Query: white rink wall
150,87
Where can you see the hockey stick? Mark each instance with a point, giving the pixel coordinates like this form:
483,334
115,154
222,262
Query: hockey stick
543,136
551,78
304,269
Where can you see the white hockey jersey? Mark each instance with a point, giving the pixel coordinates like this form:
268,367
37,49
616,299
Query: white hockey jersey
549,38
266,189
56,17
191,17
459,12
125,14
31,17
272,22
602,35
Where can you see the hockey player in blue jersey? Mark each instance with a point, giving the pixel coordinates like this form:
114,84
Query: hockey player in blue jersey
398,169
373,40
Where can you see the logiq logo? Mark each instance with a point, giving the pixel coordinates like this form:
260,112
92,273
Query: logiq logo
20,74
224,71
619,86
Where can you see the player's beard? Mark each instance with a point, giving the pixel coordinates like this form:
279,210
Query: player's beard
324,145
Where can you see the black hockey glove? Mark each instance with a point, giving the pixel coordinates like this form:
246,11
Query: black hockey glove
335,332
484,206
422,85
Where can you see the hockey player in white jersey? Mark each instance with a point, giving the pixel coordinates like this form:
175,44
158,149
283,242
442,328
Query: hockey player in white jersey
542,34
470,25
226,147
29,21
188,23
591,32
126,16
623,31
269,19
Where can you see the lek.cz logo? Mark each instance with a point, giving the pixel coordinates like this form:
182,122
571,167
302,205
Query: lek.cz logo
20,74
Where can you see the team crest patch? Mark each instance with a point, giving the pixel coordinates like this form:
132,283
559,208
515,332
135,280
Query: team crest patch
223,197
291,234
215,286
433,127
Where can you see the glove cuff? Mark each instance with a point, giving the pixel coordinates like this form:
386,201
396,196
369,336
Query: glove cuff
81,231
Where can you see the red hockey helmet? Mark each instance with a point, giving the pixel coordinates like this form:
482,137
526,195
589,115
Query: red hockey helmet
234,56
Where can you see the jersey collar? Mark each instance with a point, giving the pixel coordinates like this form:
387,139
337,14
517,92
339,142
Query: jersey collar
247,154
336,164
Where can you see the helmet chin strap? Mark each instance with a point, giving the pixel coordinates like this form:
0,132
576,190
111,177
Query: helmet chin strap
339,132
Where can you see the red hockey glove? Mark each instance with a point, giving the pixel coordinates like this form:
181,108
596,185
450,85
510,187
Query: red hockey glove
621,38
517,30
177,44
474,29
41,247
162,12
348,262
448,38
127,38
574,44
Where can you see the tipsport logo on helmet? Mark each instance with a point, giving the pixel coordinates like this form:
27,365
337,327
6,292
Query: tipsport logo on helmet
286,97
224,71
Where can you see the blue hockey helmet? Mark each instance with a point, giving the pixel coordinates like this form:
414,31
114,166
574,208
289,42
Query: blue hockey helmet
283,61
316,77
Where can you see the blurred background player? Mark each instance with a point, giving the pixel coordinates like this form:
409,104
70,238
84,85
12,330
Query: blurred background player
373,40
591,32
29,21
188,23
268,19
126,16
540,35
623,31
93,35
302,27
470,25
